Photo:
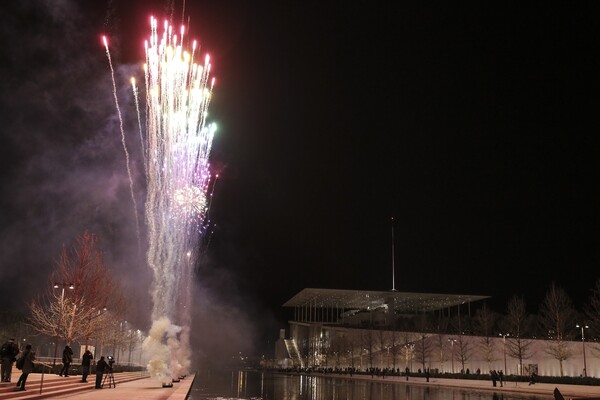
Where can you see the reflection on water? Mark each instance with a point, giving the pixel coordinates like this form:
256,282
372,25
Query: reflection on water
254,385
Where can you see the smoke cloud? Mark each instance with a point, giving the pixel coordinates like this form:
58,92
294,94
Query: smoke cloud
63,171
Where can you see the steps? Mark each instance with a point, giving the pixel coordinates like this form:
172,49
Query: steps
56,386
294,353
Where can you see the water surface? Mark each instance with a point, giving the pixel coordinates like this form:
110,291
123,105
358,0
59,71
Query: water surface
256,385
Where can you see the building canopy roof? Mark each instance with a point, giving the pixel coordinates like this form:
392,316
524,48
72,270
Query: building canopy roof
400,302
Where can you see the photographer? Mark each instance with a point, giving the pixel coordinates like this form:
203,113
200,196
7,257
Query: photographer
101,367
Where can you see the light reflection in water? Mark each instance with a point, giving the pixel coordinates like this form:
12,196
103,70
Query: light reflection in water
252,385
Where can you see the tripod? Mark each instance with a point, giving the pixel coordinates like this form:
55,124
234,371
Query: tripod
110,378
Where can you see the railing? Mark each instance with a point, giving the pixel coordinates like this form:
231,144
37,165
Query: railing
49,369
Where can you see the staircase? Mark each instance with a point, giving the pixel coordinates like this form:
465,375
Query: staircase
294,353
54,386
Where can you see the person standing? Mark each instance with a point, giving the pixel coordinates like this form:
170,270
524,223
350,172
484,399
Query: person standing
501,378
29,357
101,367
8,352
67,359
86,361
494,376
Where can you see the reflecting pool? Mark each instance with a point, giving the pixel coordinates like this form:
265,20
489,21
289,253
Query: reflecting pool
256,385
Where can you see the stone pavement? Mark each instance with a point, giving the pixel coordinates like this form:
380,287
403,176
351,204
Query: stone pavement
146,389
138,386
128,386
537,389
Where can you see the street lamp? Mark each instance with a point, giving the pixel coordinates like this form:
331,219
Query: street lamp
62,297
409,355
504,335
582,326
452,341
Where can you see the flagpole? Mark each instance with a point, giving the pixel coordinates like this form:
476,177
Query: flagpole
393,267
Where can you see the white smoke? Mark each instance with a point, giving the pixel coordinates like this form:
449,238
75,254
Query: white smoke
168,351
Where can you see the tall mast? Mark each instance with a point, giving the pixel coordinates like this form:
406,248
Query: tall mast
393,267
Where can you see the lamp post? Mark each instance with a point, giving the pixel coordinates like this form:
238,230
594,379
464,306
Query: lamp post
452,341
62,298
583,326
409,355
504,335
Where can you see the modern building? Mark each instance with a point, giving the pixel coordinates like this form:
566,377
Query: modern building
359,329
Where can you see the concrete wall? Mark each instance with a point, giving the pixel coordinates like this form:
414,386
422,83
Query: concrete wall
545,363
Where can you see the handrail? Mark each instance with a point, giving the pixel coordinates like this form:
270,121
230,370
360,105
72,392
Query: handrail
42,380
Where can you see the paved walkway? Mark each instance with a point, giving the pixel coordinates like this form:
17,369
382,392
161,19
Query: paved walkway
128,386
146,389
142,387
538,389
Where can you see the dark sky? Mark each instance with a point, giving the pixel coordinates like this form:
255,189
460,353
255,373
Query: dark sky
474,126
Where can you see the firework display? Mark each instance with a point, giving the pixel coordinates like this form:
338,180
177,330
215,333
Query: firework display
177,147
176,143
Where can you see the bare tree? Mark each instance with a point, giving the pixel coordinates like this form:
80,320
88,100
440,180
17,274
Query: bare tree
354,347
407,349
484,321
440,350
368,343
337,347
85,286
518,346
394,347
557,320
464,351
592,314
383,342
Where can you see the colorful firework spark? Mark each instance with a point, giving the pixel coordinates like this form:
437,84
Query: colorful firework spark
178,145
176,162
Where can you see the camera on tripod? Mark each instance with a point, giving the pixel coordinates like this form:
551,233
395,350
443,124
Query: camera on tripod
111,362
109,377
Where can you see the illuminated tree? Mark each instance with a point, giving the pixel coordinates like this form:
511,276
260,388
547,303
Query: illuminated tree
518,346
464,351
592,314
80,288
484,321
558,320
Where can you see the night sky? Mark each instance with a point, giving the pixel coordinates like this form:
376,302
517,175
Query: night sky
474,126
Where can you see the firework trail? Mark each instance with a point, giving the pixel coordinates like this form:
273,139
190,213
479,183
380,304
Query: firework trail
139,120
112,74
178,144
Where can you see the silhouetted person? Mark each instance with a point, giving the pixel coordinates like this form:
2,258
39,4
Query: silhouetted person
494,376
86,361
407,370
28,356
532,378
501,377
101,367
558,395
427,374
8,352
67,359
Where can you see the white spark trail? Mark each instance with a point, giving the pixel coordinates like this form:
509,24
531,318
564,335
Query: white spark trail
178,144
112,74
139,120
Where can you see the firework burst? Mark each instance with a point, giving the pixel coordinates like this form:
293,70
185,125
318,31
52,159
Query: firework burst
176,148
